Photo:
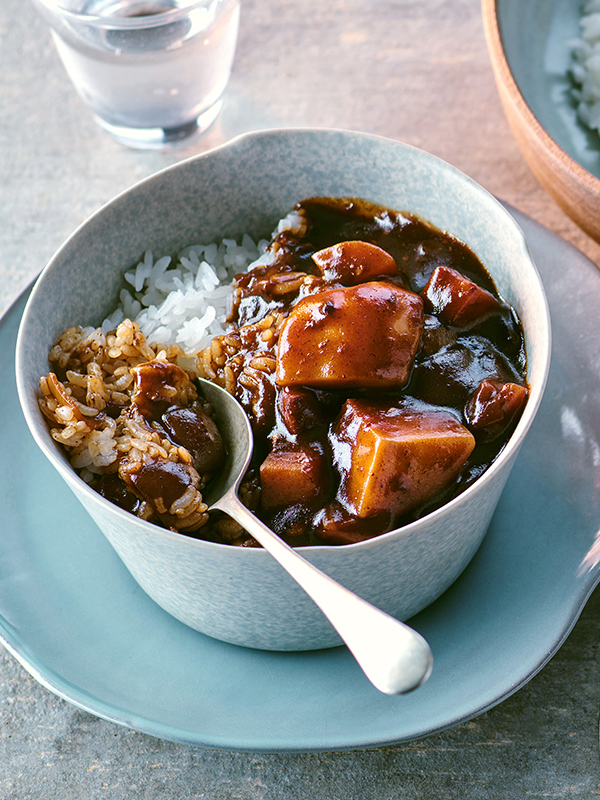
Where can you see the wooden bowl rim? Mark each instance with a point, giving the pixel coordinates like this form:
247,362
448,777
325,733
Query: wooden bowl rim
505,75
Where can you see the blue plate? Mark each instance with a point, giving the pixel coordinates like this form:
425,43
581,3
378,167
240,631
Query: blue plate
73,616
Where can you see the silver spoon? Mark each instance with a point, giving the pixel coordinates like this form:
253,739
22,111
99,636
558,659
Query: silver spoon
395,658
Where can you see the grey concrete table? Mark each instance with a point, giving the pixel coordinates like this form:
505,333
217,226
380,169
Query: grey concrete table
414,70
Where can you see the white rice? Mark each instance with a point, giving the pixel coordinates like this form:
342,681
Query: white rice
185,300
585,66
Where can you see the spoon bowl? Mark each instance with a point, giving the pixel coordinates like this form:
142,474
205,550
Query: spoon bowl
393,656
236,431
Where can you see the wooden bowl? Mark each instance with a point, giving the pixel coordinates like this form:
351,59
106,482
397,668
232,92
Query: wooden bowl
529,49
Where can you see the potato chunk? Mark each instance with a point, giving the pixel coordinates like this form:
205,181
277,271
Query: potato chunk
354,262
358,336
397,458
457,300
295,473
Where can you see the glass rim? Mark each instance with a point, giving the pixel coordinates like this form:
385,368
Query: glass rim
181,8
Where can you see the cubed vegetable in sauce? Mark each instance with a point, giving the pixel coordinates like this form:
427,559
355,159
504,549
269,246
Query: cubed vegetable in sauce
293,474
354,262
359,336
300,410
494,405
395,458
455,299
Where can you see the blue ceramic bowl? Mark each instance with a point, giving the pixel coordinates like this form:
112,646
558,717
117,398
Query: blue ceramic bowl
530,46
241,595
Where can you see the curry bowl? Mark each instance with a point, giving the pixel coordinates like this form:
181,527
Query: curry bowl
239,594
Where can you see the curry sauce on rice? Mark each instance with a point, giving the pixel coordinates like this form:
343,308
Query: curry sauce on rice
380,370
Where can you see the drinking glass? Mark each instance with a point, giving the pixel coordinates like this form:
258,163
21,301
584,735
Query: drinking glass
153,72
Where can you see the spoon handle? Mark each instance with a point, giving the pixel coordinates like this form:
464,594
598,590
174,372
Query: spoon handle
394,657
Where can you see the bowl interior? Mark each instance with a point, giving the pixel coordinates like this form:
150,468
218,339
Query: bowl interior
537,37
246,186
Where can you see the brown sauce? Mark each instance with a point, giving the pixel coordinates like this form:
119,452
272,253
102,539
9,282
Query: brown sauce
399,377
295,423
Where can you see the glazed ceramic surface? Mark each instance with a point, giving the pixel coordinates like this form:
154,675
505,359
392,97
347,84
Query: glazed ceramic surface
241,595
530,48
73,615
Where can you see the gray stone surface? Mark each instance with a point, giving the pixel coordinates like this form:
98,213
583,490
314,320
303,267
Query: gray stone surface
415,70
539,743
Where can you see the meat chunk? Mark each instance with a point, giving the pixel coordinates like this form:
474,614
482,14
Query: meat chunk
451,375
299,410
493,406
394,459
354,262
159,385
455,299
358,336
296,473
193,429
170,488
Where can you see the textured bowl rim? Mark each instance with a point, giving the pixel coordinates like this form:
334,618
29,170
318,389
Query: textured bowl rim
51,450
